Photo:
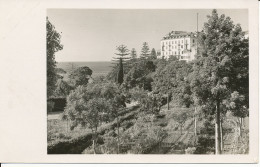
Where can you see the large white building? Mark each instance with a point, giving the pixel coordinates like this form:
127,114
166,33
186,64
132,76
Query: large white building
180,44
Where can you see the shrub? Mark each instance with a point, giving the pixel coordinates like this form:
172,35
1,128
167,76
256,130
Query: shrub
50,106
190,150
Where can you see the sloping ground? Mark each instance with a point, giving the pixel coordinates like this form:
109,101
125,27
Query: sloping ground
176,141
233,142
77,145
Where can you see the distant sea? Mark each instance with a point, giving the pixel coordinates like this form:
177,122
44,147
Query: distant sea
99,68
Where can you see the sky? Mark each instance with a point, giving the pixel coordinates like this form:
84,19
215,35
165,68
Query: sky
94,34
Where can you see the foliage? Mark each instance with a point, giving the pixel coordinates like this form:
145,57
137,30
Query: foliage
221,47
60,71
190,150
172,79
120,75
80,76
145,51
237,105
133,53
241,147
206,141
216,71
139,75
153,54
149,102
62,88
50,106
122,55
79,142
145,134
53,46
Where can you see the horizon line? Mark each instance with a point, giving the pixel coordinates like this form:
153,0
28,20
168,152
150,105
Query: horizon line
82,61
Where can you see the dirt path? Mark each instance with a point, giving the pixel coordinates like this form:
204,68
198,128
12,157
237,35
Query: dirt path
54,115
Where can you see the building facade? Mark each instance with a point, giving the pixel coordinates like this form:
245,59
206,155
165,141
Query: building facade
181,44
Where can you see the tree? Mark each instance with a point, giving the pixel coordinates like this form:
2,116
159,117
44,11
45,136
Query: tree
153,54
170,80
87,108
138,75
133,53
116,99
60,71
181,119
145,51
122,55
94,104
53,46
80,76
238,107
62,88
217,71
149,102
120,75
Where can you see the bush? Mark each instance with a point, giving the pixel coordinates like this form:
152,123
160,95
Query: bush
190,150
50,106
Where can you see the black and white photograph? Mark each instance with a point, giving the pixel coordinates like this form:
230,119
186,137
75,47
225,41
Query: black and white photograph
147,81
121,82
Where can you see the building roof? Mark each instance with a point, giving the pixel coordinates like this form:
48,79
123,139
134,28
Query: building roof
178,34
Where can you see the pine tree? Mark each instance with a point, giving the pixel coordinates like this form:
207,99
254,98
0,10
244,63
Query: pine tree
145,51
120,76
153,54
122,54
133,54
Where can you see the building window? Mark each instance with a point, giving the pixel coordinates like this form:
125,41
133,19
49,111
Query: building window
181,41
193,41
182,46
175,53
182,52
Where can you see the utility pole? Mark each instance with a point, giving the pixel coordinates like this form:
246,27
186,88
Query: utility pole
197,33
195,111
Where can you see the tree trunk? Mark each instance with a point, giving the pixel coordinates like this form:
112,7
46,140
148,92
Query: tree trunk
221,135
168,101
94,142
67,126
217,130
240,127
195,123
195,126
94,139
94,147
117,133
